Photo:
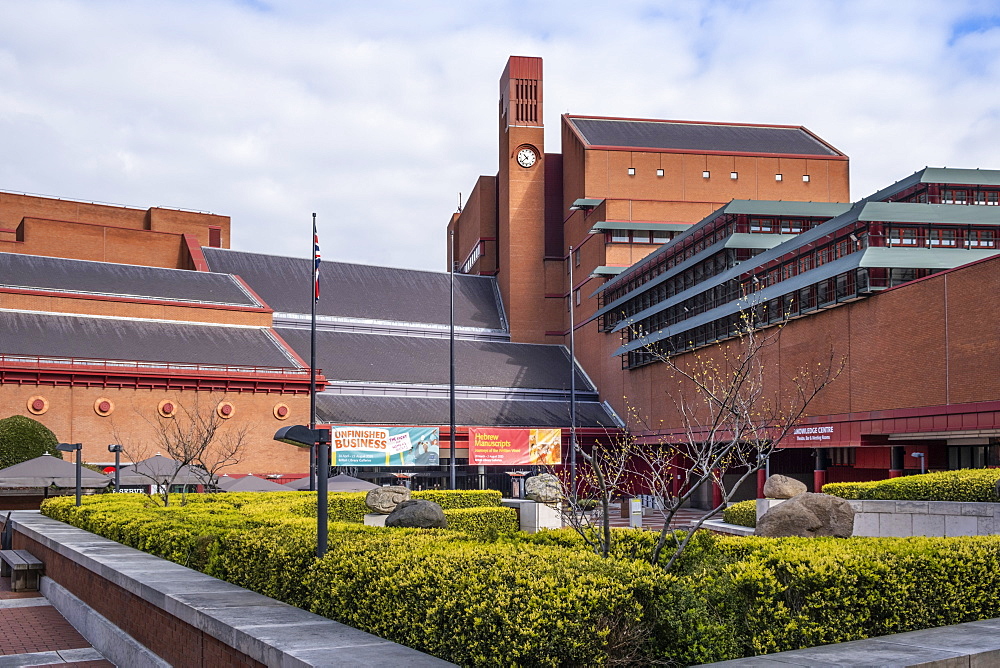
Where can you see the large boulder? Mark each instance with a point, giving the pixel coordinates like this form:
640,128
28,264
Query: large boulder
419,514
544,488
808,515
783,487
383,500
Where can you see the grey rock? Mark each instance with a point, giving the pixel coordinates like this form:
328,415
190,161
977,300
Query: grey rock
417,513
996,489
783,487
808,515
544,488
384,500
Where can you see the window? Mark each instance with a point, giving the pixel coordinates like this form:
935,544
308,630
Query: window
576,257
577,297
631,171
661,237
706,174
954,197
791,226
764,225
942,237
982,239
902,236
778,177
215,236
619,237
805,263
641,237
805,178
734,175
988,198
659,172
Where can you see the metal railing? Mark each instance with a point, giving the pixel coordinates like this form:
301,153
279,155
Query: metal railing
121,366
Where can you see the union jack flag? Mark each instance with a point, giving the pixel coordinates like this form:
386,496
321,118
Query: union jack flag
316,261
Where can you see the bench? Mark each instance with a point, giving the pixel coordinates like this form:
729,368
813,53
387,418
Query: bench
22,568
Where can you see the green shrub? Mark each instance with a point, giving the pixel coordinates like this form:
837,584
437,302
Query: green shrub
22,438
483,523
965,485
460,498
743,513
546,599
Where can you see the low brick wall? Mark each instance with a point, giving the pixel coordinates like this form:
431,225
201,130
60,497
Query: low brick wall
917,518
187,618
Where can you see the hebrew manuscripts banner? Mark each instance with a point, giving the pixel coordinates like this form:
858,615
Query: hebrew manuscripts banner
385,446
505,447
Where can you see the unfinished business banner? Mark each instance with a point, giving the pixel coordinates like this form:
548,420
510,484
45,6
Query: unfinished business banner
385,446
505,447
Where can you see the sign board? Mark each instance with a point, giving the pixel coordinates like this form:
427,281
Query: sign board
385,446
815,434
506,447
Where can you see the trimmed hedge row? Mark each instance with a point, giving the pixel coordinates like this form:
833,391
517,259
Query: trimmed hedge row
743,513
546,600
964,485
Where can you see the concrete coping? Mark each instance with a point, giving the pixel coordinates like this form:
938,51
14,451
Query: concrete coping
972,643
272,632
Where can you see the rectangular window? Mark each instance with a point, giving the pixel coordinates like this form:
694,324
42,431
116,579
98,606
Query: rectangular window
706,174
942,237
215,237
791,226
954,197
640,237
631,171
661,237
902,236
576,257
805,178
577,293
778,177
988,198
734,175
619,237
659,172
764,225
805,263
982,239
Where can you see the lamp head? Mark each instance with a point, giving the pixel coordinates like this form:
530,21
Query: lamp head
69,447
302,436
114,448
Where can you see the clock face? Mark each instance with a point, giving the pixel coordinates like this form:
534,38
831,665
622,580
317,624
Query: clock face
526,157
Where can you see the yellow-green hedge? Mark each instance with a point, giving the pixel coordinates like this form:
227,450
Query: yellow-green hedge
483,523
965,485
546,600
743,513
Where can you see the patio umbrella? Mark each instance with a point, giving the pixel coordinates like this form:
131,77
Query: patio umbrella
338,483
159,469
252,483
46,471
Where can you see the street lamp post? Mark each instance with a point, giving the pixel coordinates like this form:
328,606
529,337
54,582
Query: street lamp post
304,437
77,448
117,449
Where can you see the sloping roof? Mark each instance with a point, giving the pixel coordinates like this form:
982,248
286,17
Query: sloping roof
975,177
250,483
337,483
410,359
159,468
911,212
362,291
54,274
52,335
667,135
48,470
360,409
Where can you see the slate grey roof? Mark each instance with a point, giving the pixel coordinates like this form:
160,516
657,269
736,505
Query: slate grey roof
52,335
48,470
418,360
106,278
359,409
362,291
699,136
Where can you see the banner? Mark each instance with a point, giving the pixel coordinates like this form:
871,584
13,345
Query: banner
505,447
385,446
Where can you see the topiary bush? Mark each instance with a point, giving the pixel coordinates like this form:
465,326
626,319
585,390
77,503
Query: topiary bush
743,513
978,485
483,523
22,438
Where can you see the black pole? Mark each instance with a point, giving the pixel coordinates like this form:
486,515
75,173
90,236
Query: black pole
572,381
313,452
451,352
79,472
118,466
322,497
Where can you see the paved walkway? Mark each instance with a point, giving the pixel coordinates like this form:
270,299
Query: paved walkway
35,634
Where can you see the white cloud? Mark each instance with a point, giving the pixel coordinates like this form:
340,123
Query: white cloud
376,115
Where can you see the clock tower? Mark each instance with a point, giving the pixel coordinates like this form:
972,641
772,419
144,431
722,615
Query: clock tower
521,200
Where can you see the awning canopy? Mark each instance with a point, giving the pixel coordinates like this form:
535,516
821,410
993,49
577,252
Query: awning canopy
48,471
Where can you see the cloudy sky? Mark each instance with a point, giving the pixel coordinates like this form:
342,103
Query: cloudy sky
376,115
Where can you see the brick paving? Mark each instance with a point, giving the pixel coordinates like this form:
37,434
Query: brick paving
35,634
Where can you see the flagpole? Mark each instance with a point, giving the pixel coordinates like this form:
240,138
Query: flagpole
451,352
572,381
314,451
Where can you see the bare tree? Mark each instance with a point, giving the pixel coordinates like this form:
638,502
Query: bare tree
728,421
195,436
